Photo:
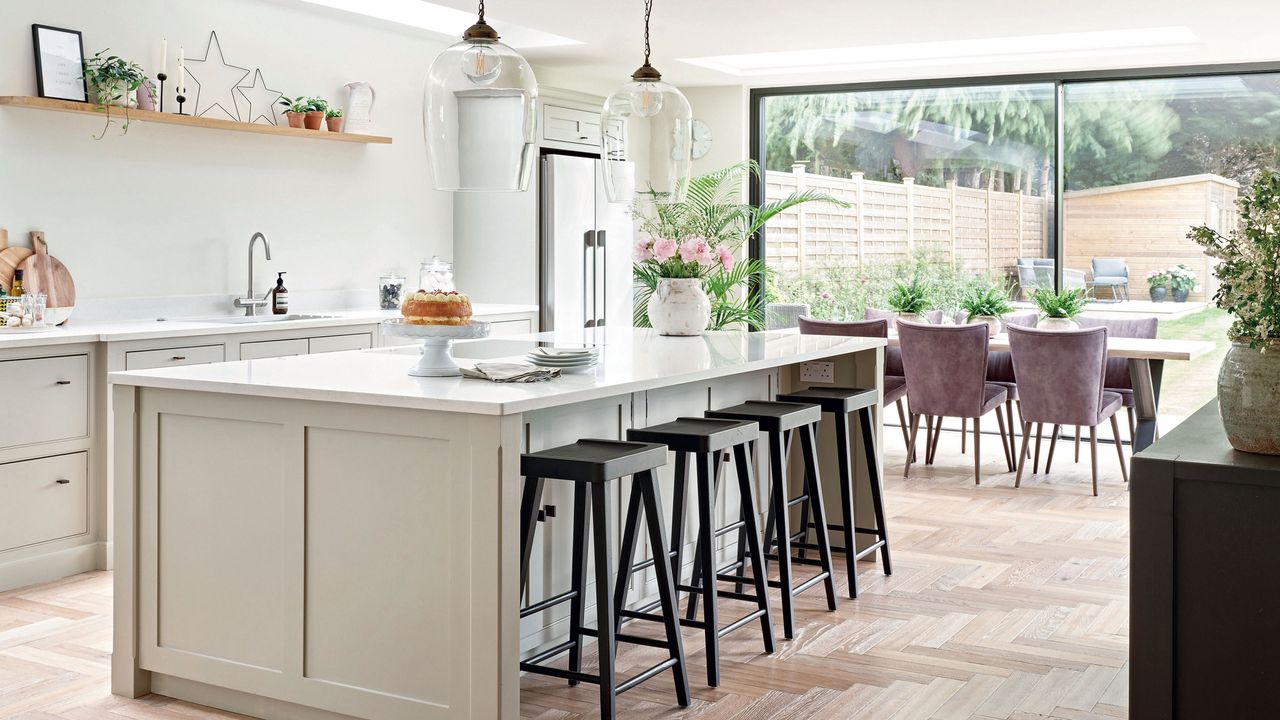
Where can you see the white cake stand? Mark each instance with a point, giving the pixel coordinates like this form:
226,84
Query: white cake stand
437,344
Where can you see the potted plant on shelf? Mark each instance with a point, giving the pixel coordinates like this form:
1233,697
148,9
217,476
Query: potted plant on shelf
295,110
986,304
1182,279
113,82
1059,310
910,299
712,213
1157,284
333,119
316,109
1248,275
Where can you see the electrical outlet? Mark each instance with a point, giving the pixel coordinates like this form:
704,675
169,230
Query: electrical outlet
820,372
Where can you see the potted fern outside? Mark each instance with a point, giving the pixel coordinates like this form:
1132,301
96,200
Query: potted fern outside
1248,275
987,304
1059,310
910,300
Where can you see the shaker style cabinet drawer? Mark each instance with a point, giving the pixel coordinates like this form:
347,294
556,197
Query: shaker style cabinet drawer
44,499
51,398
510,327
173,357
273,349
338,343
570,126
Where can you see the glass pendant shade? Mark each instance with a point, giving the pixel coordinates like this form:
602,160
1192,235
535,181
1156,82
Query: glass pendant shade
647,143
478,115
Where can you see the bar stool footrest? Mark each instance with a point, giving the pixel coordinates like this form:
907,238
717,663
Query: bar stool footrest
548,603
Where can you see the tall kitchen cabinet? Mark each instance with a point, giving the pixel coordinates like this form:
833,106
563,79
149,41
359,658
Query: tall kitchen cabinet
496,253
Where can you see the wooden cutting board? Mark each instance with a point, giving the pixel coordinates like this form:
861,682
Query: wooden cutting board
10,259
44,273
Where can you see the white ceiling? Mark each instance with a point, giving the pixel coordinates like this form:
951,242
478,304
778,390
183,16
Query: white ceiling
611,31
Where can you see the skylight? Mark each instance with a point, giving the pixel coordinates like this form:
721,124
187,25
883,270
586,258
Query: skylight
444,20
904,55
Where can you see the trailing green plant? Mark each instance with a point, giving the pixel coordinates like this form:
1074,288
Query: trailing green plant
111,80
910,297
986,300
1068,304
1249,269
712,218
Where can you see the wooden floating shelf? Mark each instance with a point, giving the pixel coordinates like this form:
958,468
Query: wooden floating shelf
70,106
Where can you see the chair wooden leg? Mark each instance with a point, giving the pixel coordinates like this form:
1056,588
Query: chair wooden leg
964,432
977,451
937,435
1053,443
1022,456
1005,441
1008,421
902,422
1133,426
1115,430
1035,466
906,471
1078,431
1093,456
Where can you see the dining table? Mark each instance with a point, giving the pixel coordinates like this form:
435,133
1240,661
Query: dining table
1146,358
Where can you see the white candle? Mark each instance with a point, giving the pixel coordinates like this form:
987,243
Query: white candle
164,55
182,69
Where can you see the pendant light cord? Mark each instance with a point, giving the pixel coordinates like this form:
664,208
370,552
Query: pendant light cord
482,11
648,10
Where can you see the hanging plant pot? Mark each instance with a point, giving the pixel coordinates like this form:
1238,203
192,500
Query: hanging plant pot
680,307
1158,293
1249,397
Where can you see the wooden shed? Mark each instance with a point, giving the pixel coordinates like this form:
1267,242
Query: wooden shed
1146,223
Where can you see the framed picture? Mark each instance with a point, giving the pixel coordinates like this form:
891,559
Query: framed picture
59,63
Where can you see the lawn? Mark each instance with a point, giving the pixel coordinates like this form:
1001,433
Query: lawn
1189,385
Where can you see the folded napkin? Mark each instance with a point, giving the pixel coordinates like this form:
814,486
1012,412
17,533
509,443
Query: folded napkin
510,372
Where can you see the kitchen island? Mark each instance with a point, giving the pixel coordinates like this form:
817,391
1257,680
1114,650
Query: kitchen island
325,536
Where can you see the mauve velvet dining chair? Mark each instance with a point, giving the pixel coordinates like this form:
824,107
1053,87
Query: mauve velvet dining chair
1000,372
946,371
895,385
1060,381
1118,380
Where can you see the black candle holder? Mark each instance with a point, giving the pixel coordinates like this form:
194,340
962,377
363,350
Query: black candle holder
181,99
161,77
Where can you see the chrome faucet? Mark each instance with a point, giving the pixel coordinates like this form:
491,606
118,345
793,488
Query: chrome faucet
249,302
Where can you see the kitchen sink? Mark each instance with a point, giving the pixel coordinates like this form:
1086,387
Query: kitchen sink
254,319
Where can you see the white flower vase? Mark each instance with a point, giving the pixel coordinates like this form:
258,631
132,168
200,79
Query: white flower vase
991,321
1050,323
679,307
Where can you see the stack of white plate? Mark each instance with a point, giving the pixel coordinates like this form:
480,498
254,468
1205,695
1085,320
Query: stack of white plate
566,359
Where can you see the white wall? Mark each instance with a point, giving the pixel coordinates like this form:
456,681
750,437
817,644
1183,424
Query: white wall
169,210
724,110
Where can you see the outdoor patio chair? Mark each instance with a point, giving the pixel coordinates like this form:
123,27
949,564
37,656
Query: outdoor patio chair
1060,381
1036,273
1112,273
780,316
946,368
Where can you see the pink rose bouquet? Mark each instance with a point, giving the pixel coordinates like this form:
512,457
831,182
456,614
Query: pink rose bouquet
694,257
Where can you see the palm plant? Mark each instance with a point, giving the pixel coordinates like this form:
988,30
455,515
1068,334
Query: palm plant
713,210
986,301
910,297
1067,304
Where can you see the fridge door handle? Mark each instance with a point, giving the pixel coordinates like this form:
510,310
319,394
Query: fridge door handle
602,265
588,278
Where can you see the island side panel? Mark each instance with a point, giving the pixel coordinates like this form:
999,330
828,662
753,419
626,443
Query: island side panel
302,558
863,369
127,677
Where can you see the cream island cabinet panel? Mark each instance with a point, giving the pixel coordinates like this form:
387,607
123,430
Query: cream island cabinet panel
320,536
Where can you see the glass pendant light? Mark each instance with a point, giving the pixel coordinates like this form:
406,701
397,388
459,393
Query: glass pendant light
646,137
478,114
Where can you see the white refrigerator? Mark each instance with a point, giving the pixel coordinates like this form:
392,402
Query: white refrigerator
584,247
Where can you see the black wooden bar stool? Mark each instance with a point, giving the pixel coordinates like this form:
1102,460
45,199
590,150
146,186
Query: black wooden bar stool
840,402
708,441
780,421
596,464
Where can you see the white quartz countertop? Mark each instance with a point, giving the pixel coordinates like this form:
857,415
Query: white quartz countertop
631,360
122,330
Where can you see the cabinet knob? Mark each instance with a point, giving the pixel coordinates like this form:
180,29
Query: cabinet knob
179,357
64,382
63,481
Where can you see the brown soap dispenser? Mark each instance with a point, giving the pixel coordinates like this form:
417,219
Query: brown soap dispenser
280,296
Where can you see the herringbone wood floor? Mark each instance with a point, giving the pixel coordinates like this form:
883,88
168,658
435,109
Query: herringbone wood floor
1003,604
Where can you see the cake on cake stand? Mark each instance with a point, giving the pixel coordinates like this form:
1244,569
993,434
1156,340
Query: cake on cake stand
437,344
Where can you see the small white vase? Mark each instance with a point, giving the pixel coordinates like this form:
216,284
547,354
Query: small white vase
1049,323
913,317
991,321
679,307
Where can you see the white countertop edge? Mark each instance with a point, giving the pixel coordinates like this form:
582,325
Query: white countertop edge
148,379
